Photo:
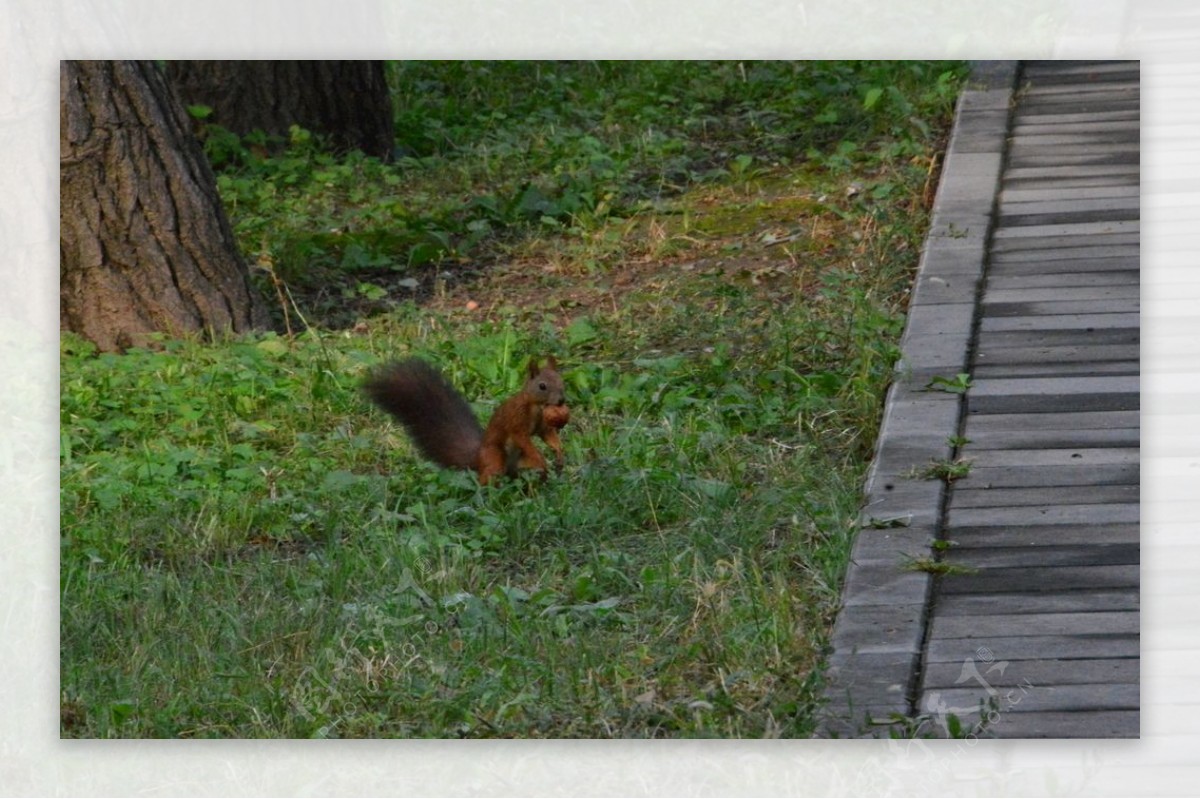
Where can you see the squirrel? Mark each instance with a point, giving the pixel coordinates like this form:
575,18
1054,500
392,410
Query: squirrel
445,430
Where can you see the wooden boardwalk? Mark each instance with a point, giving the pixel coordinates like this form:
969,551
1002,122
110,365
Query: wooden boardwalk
1034,611
1047,625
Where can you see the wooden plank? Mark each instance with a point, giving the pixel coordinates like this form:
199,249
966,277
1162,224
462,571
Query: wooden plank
1030,293
1059,346
1051,369
1040,698
1037,647
1001,674
1034,578
1047,535
1038,602
1085,323
1083,473
1031,624
1035,307
1022,263
1047,194
988,497
1040,515
1090,724
1091,456
1121,394
1061,553
1115,436
1096,420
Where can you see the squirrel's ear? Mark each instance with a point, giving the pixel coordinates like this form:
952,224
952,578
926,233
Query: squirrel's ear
551,363
533,367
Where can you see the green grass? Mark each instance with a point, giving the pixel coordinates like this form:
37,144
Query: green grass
494,154
250,549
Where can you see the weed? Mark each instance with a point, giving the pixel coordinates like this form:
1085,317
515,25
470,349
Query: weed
940,567
949,469
886,524
955,385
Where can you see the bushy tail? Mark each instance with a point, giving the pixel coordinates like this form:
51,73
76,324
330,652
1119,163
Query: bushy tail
440,421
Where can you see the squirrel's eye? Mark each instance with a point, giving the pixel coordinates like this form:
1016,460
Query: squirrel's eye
541,386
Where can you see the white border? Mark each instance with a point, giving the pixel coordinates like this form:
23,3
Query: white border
34,35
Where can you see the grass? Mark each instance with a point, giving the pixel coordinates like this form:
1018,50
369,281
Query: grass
719,255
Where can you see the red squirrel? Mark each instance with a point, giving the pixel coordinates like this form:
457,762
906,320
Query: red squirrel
445,430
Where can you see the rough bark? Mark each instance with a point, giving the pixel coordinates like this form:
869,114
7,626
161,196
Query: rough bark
145,243
346,101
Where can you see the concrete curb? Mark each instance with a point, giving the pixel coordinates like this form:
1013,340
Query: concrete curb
880,631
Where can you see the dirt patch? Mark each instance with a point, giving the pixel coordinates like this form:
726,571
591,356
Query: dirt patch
773,238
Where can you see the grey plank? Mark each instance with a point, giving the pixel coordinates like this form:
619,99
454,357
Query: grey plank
1062,281
1054,439
1034,394
1068,176
1084,473
1042,403
966,497
1040,602
1085,322
1048,92
1058,308
1068,229
1074,78
1059,200
1062,138
1028,698
843,719
1024,579
1076,117
1098,420
1085,458
880,628
870,678
1065,71
1011,195
1024,158
1124,513
1051,369
1058,213
994,295
1034,345
1092,181
1069,259
1090,724
1028,536
1037,647
1057,554
1003,674
1043,247
1031,624
885,585
1076,127
1061,86
1080,102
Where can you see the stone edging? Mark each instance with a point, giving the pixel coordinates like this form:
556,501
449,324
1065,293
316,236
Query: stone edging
879,634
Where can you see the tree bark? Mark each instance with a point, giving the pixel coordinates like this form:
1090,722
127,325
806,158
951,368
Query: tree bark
145,243
346,101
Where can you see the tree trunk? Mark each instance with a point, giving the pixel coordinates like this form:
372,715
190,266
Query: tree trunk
346,101
145,244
